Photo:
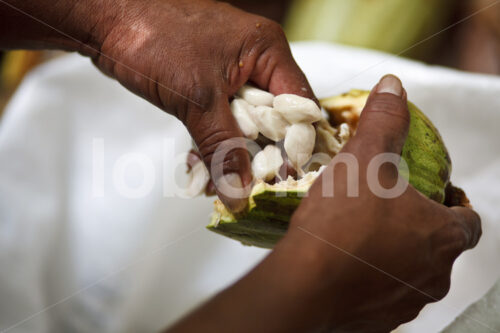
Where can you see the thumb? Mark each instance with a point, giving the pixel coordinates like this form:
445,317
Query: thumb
222,148
383,125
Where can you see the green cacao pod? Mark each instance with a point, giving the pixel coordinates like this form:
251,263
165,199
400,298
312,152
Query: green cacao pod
270,206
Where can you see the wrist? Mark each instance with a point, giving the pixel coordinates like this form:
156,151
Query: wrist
85,26
72,25
314,273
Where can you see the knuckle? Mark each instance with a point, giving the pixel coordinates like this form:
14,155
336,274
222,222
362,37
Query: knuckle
273,28
192,158
411,307
476,227
476,220
195,99
457,233
199,89
441,287
265,42
449,244
208,144
224,5
202,96
409,316
232,162
479,231
269,36
470,223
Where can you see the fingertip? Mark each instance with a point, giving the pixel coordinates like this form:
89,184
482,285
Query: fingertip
467,214
223,149
232,192
385,119
232,175
390,84
288,78
210,189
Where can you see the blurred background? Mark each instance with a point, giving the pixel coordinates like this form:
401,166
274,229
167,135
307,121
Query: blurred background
412,29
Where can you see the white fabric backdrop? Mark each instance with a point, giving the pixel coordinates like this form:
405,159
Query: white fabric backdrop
78,256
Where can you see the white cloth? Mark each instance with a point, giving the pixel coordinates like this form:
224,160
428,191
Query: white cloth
480,317
77,254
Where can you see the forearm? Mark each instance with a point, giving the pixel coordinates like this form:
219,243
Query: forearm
73,25
284,293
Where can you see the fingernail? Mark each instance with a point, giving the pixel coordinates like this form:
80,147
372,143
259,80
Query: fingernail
390,84
232,192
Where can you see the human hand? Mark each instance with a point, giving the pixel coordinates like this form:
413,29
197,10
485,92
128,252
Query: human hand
373,262
189,58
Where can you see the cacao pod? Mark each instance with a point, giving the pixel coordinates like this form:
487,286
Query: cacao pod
270,206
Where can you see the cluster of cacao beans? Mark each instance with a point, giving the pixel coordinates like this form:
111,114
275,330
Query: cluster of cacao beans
288,127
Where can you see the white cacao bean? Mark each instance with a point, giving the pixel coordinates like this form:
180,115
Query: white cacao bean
344,133
269,122
299,144
267,163
326,139
255,96
297,109
240,110
331,140
198,180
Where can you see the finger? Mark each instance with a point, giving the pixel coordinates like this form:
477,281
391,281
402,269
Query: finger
471,224
192,158
276,71
384,122
210,189
288,78
215,132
